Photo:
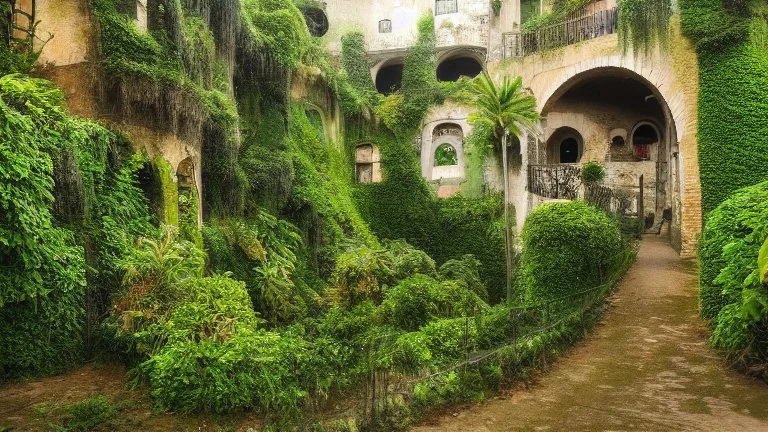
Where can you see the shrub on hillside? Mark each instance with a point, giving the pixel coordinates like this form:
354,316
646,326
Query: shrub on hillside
415,301
466,270
567,248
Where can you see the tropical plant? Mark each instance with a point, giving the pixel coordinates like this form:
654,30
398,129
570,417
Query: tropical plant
506,109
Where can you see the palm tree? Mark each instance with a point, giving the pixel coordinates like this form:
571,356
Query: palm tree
506,109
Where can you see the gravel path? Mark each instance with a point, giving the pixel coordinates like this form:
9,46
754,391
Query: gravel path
646,367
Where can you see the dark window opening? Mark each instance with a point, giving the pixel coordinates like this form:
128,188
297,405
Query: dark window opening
385,26
453,69
150,184
389,79
617,141
642,139
569,151
446,7
645,134
317,21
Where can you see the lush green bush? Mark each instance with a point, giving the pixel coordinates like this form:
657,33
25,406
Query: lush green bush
408,261
732,292
568,247
592,172
466,270
737,222
415,301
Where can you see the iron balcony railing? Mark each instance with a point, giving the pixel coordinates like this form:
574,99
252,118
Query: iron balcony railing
600,23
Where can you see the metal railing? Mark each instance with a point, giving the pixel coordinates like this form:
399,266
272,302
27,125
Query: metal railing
559,181
600,23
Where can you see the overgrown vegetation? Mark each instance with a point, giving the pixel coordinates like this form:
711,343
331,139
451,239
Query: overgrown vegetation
733,294
733,75
301,286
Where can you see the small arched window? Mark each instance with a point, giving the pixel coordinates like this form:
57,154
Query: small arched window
446,155
644,136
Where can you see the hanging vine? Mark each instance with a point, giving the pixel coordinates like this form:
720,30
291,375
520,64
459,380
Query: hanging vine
643,24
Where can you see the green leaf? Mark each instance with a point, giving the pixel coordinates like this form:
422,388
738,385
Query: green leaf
762,262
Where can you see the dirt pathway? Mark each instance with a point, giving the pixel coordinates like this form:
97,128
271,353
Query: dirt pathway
646,367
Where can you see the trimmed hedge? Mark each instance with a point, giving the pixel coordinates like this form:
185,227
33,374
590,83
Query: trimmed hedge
567,247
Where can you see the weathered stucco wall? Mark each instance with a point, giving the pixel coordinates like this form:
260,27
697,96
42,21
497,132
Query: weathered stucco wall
474,24
673,77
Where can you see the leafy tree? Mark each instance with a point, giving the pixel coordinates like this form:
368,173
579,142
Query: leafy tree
506,109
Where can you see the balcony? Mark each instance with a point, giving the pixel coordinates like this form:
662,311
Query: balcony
579,27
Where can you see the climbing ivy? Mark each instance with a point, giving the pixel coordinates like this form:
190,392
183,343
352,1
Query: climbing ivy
733,96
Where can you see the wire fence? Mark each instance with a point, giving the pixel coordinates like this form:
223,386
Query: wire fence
385,388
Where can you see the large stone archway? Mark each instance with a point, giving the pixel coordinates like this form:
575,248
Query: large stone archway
672,78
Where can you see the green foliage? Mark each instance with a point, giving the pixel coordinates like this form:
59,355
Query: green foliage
732,293
278,29
643,24
466,270
733,75
415,301
496,6
561,9
592,172
445,155
361,275
408,261
762,262
264,252
567,248
89,414
503,107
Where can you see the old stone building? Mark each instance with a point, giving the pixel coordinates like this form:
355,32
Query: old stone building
635,114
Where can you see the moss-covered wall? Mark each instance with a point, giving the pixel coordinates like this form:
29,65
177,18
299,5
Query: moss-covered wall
733,98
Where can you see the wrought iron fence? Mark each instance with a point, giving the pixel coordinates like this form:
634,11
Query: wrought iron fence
600,23
559,181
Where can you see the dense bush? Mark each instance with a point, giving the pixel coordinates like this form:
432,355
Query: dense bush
415,301
732,292
567,248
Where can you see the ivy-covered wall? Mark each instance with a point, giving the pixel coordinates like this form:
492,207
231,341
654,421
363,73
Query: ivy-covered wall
733,95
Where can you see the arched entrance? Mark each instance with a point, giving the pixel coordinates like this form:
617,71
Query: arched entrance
389,77
602,104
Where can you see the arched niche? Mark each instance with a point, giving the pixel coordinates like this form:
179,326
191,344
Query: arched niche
455,67
389,76
447,151
367,163
644,140
565,145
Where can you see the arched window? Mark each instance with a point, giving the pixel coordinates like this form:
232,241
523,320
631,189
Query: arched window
644,137
569,150
445,155
389,78
367,164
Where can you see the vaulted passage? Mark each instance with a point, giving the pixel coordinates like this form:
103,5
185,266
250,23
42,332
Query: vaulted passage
454,68
389,79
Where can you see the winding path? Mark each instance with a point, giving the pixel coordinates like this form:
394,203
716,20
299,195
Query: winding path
646,367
